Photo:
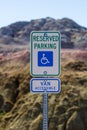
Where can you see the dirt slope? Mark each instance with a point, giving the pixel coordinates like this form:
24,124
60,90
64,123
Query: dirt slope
22,110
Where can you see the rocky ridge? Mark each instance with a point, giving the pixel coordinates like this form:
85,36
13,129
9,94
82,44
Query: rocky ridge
72,34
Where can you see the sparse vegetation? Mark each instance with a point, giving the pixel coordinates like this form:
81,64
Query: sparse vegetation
22,110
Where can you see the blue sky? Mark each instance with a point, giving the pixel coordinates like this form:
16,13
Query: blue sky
25,10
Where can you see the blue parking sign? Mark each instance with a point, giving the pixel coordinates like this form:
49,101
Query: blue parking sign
45,58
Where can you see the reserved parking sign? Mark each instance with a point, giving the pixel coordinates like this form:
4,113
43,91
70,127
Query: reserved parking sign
45,53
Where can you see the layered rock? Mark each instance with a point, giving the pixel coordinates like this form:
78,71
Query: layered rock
72,34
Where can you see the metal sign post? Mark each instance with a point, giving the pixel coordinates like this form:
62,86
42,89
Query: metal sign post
45,111
44,62
45,86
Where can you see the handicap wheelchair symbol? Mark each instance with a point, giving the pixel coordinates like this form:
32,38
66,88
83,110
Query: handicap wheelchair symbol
45,58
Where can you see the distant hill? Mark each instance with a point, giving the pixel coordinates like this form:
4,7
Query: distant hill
72,34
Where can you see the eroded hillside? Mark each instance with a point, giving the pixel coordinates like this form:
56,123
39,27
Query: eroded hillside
22,110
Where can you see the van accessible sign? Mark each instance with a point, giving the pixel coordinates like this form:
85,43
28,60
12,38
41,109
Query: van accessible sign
48,85
45,53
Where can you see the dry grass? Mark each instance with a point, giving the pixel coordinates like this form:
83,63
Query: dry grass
27,107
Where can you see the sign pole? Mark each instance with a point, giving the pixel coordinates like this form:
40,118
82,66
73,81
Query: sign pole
45,61
45,110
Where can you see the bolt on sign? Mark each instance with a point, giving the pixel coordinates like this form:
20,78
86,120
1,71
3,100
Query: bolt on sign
45,53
